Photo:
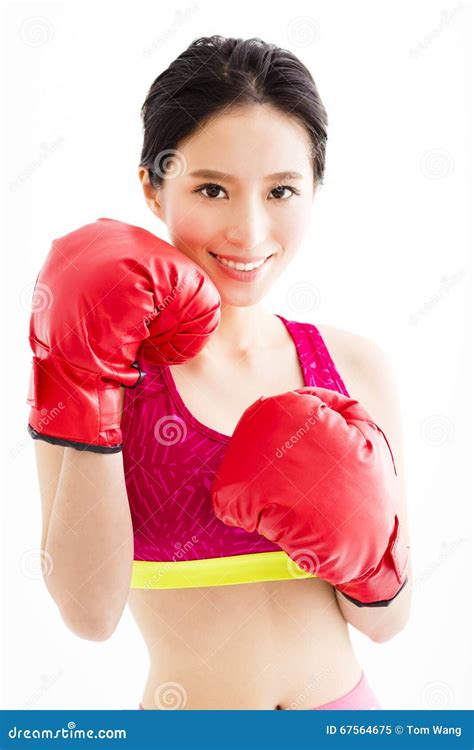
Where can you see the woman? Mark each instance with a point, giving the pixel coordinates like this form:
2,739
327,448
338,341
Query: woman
233,154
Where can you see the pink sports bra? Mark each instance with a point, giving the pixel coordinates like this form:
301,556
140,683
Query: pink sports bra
170,460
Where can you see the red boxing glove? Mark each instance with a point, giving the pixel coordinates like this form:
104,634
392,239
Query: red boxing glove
104,291
310,471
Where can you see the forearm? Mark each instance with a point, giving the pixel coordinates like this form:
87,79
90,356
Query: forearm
90,543
379,623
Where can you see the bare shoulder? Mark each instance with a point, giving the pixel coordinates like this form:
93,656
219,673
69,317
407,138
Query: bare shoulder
368,373
353,352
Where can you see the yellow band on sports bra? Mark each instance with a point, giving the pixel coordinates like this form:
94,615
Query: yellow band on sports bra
216,571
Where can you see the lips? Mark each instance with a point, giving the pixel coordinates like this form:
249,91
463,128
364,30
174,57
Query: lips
229,269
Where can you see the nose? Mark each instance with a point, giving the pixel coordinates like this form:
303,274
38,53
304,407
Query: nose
248,226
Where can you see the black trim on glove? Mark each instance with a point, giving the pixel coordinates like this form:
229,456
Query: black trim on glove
383,603
86,446
142,375
69,444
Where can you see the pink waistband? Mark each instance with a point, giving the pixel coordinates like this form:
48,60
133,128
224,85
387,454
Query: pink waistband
361,697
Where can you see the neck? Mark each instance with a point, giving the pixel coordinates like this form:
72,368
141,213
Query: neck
241,330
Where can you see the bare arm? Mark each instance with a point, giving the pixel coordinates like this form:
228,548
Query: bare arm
369,378
87,536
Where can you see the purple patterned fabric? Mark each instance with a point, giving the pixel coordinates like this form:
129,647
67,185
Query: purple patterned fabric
171,458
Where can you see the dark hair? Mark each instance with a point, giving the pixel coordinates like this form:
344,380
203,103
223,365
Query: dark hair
215,73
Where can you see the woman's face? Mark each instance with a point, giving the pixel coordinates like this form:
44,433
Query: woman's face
256,209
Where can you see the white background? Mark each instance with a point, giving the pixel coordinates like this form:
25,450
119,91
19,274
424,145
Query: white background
388,257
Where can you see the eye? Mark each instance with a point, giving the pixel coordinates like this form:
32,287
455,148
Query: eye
292,190
208,186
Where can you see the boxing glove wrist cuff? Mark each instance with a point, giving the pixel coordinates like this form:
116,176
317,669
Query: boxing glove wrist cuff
383,584
70,444
382,603
74,407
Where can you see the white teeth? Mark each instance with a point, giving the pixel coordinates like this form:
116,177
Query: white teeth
240,266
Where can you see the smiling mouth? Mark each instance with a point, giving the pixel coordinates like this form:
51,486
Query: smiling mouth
240,266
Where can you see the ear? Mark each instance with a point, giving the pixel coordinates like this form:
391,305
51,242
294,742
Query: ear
151,193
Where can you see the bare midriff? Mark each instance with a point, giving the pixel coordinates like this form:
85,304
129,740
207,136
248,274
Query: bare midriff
272,645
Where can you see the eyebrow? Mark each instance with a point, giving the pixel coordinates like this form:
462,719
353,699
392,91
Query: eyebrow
209,174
